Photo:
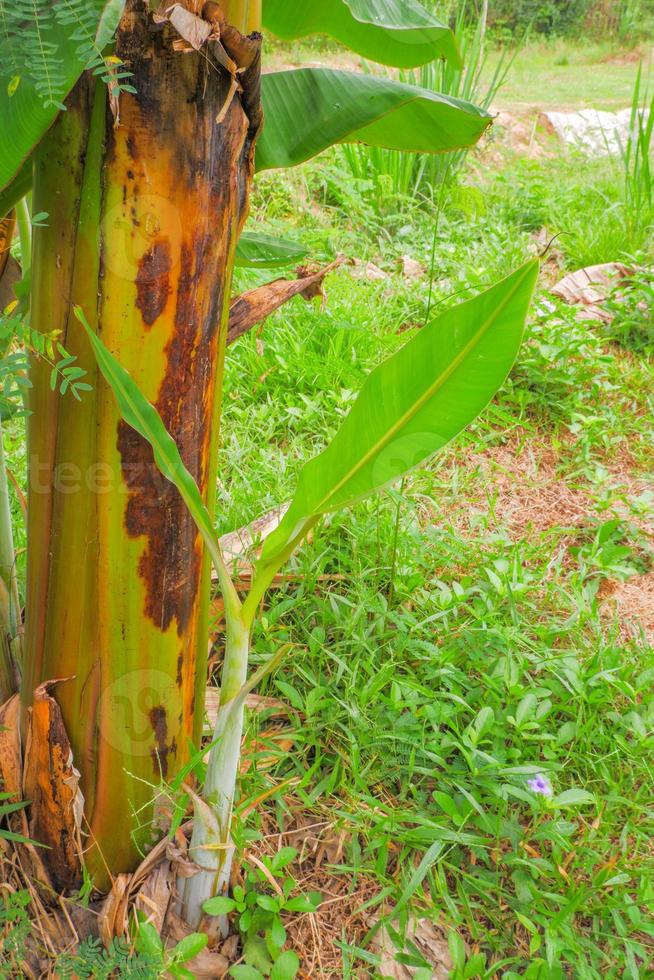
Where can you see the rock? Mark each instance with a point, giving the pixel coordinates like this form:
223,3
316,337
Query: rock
595,132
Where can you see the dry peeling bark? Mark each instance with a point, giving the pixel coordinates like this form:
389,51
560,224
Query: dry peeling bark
7,226
11,766
51,785
117,581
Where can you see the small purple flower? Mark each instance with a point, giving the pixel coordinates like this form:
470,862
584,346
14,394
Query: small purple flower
540,784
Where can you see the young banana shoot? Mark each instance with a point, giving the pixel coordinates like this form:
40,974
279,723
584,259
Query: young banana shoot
409,407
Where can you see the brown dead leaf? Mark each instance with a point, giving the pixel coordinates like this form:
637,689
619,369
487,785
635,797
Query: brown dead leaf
154,857
370,271
51,783
331,848
11,781
589,288
273,737
256,305
210,964
177,854
112,920
191,28
253,702
230,947
241,548
10,271
411,269
153,898
7,228
430,940
12,274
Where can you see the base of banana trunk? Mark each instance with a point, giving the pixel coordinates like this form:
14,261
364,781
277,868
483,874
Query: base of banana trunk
145,209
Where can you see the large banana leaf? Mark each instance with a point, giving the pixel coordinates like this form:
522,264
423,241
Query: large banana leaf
394,32
413,404
17,188
256,250
39,84
309,109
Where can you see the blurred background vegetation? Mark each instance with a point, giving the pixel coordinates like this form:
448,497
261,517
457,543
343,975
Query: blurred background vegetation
623,19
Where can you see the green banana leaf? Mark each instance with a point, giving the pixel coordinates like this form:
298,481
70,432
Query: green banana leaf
413,404
144,418
255,250
309,109
18,188
393,32
39,87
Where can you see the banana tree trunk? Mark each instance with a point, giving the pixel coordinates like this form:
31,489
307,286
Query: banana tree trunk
9,598
146,202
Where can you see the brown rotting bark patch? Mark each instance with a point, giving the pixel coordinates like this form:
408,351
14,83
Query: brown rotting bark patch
159,724
212,165
153,281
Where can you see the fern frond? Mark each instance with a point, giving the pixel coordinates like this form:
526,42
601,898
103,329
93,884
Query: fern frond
29,42
44,64
83,18
7,50
38,38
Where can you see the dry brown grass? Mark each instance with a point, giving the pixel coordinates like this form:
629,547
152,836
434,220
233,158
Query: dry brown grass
517,487
632,602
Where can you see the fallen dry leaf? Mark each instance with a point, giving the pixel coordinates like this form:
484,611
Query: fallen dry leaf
210,964
12,274
11,781
253,702
112,920
7,228
411,269
10,271
431,942
189,26
589,287
274,739
153,898
369,271
240,548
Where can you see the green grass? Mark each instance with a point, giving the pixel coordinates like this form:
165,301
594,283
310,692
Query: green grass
570,74
559,73
430,681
